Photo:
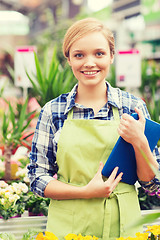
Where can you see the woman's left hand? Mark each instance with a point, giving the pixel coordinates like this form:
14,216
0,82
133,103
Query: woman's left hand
131,130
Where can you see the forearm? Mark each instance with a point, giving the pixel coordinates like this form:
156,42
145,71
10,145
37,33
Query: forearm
144,169
61,191
96,188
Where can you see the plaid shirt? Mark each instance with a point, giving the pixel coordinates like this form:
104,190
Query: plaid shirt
51,119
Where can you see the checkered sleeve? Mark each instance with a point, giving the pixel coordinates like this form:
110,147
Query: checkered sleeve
42,159
154,184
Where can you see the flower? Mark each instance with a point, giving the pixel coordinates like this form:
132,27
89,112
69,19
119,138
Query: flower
142,236
152,232
12,199
47,236
3,184
72,236
22,174
155,230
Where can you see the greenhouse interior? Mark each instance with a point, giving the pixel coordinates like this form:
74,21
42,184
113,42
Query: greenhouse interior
33,73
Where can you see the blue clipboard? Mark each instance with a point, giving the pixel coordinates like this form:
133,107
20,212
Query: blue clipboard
123,154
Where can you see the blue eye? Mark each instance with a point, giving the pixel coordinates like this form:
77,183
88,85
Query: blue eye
99,54
78,55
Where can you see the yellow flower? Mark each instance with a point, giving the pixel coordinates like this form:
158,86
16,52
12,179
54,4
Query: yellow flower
95,238
155,229
70,236
50,236
142,236
121,238
131,238
40,236
47,236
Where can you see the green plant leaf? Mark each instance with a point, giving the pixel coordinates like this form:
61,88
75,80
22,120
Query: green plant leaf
39,73
12,116
7,236
5,126
31,234
149,218
22,116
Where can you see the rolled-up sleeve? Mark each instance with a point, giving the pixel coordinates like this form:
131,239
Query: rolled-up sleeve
154,184
42,165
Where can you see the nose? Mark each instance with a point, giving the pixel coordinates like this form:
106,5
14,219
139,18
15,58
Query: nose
89,62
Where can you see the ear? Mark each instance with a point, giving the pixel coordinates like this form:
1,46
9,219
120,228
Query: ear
68,60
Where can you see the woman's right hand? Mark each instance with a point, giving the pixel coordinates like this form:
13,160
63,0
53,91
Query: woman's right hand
98,188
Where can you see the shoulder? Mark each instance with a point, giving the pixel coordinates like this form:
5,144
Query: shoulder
127,101
130,101
55,106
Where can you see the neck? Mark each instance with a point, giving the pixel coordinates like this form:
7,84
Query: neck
92,96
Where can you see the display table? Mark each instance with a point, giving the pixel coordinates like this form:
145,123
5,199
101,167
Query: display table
19,226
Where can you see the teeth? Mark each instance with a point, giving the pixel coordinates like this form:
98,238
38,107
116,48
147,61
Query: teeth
90,73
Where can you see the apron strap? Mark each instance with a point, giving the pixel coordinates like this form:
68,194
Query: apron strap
107,216
115,114
70,114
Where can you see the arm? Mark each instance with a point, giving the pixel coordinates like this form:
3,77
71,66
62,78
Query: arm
42,159
96,188
41,169
139,143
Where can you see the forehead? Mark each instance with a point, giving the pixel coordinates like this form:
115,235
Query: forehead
94,40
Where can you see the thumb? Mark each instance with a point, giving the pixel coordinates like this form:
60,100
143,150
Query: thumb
140,114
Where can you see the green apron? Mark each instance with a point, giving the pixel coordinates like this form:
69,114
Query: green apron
81,146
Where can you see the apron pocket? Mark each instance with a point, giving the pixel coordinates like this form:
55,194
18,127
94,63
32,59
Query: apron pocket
60,220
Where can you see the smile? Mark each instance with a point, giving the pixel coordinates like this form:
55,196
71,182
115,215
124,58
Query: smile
89,73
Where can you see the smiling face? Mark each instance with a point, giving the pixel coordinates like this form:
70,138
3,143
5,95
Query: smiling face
90,59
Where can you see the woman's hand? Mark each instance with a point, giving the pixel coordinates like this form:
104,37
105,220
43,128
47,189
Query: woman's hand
131,130
97,188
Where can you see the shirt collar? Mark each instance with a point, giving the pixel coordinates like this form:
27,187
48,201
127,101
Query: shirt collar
113,97
71,99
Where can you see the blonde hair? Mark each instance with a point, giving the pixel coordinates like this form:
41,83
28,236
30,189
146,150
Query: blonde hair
83,27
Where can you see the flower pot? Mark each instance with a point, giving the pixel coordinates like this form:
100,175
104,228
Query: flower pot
16,216
30,214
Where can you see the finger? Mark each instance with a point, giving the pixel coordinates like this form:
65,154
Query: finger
116,181
100,167
125,116
140,114
113,175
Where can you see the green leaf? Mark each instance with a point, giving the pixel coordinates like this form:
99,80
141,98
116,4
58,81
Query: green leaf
22,116
5,126
39,73
31,234
149,218
12,115
54,62
33,83
7,236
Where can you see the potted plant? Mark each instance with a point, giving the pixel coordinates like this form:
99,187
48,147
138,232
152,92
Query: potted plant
148,201
35,205
12,199
12,131
51,79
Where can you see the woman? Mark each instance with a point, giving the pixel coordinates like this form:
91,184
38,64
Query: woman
77,132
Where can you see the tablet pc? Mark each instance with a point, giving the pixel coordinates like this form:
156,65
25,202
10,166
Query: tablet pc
123,154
